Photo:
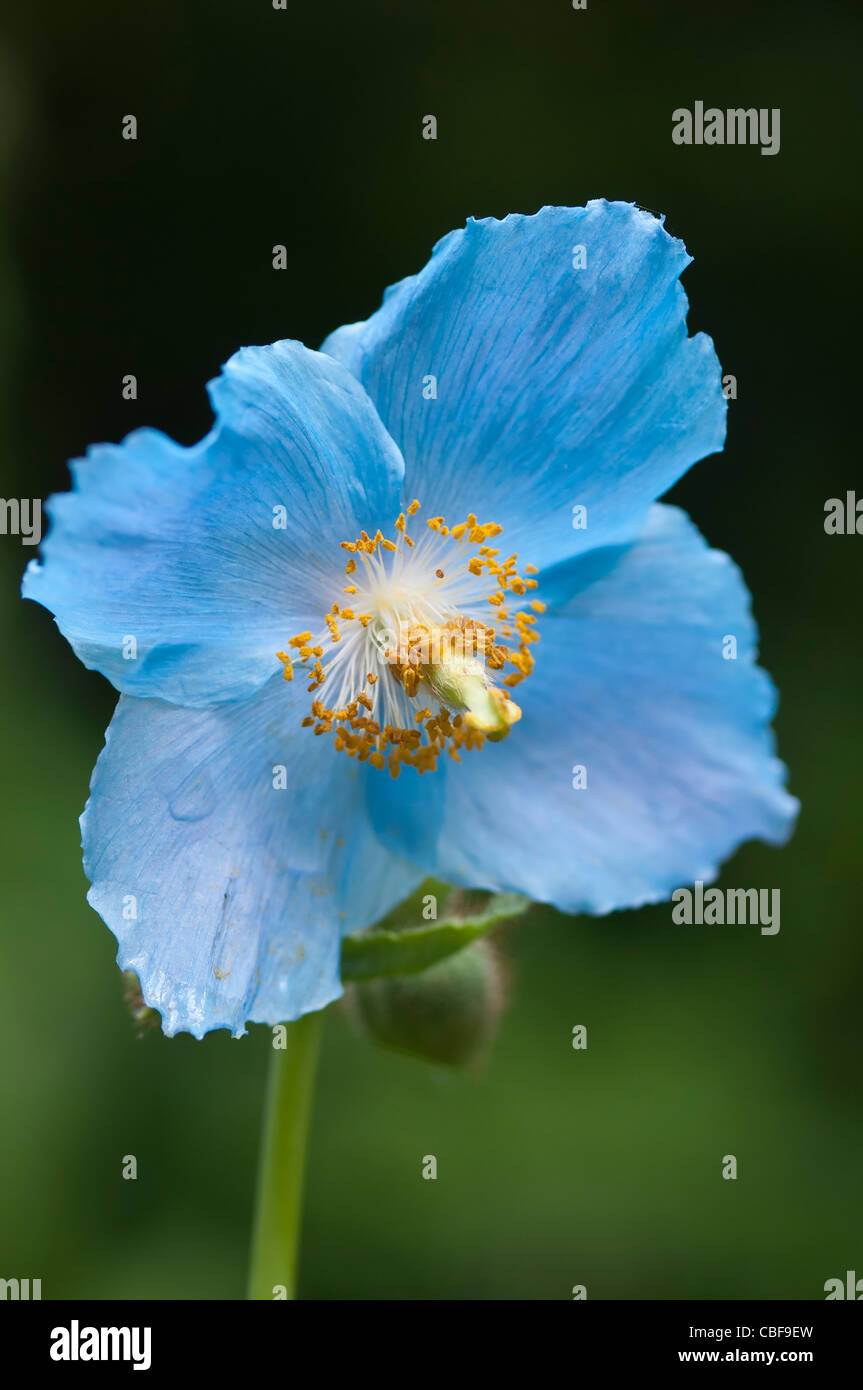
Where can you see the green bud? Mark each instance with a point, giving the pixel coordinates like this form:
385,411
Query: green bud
447,1014
145,1017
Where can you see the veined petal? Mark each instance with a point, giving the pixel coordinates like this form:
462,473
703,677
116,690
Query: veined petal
207,558
229,852
556,386
630,685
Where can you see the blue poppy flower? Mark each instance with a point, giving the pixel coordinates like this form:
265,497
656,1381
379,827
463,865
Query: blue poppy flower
443,530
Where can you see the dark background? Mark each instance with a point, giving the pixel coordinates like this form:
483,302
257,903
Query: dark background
303,127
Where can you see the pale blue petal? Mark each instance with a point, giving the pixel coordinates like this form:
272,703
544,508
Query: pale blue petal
630,683
183,550
228,896
556,386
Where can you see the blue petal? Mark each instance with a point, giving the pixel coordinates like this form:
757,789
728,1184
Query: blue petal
228,896
630,683
556,387
181,549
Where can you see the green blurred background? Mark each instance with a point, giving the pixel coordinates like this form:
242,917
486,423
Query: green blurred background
302,127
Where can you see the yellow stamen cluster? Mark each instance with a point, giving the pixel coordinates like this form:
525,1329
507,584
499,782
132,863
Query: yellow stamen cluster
448,658
363,738
423,645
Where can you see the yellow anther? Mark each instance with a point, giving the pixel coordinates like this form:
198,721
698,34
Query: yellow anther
455,658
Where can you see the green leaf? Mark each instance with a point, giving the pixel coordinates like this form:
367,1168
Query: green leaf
396,946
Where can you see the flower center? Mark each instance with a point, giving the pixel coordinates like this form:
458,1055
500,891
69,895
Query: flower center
409,661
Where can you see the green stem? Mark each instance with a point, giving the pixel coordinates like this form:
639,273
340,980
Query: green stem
275,1243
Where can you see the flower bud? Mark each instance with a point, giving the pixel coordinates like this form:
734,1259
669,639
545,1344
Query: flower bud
447,1014
141,1014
